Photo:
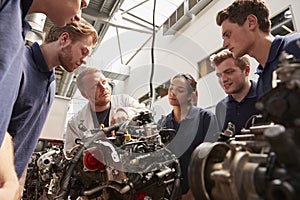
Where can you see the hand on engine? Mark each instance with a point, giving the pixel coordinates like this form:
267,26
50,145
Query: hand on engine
119,117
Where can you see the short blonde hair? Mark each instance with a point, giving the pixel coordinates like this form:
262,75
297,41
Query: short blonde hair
241,62
81,75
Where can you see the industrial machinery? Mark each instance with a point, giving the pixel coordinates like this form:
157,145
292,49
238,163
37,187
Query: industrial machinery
262,163
127,161
44,164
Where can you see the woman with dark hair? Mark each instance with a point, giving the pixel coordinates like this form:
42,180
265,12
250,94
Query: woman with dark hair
193,125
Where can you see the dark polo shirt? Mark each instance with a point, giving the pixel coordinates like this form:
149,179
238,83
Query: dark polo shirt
289,44
36,94
237,112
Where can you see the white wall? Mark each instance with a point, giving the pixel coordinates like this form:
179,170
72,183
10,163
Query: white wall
54,127
177,53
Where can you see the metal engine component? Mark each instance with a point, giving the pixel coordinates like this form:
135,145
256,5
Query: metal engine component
138,167
281,104
44,171
264,162
92,159
45,162
132,165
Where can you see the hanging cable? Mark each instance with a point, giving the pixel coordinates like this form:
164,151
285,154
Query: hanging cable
152,92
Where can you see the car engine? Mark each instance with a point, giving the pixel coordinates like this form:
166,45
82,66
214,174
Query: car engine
126,161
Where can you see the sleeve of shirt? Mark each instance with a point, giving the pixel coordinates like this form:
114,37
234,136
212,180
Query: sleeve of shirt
71,135
161,123
212,133
293,45
220,114
129,105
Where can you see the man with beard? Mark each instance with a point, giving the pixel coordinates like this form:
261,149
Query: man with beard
13,28
67,47
103,108
239,106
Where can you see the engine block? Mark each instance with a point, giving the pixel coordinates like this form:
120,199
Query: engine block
131,164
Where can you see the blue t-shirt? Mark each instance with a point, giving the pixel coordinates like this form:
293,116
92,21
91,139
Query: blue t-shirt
237,112
12,31
36,93
290,44
199,125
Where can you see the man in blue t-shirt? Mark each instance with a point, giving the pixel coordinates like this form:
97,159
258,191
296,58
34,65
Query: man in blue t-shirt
13,28
239,106
67,47
246,30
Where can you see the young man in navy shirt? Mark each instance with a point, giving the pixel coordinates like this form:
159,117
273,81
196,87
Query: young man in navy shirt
13,28
239,106
67,47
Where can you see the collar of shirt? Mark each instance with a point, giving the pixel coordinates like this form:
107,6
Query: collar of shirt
191,114
40,61
172,123
39,57
251,94
274,51
25,5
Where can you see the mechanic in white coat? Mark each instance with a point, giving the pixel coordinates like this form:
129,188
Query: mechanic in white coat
103,108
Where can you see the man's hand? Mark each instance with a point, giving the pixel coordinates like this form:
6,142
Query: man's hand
10,190
119,117
9,182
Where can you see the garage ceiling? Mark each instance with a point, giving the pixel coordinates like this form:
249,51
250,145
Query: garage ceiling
98,13
137,15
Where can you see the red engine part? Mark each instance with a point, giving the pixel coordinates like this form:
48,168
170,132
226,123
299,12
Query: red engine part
93,160
140,195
